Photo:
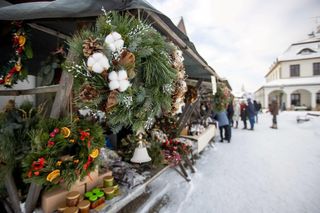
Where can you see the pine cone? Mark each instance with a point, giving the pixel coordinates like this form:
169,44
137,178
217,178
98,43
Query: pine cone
112,100
88,93
90,46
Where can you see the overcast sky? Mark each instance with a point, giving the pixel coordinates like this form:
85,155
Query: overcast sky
240,39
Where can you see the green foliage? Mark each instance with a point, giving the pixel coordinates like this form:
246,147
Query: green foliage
220,99
151,66
155,152
70,155
15,143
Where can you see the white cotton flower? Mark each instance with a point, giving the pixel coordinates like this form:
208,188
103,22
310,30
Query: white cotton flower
98,62
113,76
114,41
123,85
97,68
122,75
118,80
114,85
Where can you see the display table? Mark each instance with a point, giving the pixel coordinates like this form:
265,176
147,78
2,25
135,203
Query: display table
202,140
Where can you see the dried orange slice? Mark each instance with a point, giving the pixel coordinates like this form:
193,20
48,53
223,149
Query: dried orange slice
22,40
94,153
65,131
52,175
18,67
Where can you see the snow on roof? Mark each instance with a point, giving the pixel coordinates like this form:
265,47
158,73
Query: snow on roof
294,81
309,48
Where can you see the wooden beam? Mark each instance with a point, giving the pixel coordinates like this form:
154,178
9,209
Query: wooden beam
32,197
12,192
37,90
49,31
161,24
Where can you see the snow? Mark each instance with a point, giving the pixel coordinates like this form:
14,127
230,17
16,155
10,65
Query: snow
264,170
292,52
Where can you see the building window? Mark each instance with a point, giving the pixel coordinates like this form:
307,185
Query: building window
316,68
295,70
295,99
318,98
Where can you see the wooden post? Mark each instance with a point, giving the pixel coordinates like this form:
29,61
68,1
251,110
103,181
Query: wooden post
12,192
32,197
61,99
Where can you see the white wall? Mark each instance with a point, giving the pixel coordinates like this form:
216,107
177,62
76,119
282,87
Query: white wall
306,67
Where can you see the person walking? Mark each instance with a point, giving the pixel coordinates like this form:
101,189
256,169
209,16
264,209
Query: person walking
251,113
236,114
230,112
224,126
257,109
243,114
274,110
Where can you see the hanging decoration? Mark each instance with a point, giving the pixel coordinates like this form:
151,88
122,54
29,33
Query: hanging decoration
62,154
221,98
15,69
134,68
180,85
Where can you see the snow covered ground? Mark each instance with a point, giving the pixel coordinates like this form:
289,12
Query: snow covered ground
264,170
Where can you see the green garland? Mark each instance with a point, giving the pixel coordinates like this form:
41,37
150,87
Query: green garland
15,69
62,152
145,58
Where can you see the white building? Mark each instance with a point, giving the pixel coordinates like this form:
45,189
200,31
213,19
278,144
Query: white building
294,79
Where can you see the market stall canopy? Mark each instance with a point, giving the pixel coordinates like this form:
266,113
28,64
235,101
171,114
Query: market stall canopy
62,16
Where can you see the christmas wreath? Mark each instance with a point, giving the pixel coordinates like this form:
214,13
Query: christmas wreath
125,68
62,152
15,69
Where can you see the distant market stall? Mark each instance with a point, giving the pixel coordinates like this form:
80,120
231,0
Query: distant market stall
118,77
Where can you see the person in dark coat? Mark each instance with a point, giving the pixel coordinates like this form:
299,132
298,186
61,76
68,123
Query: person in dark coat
251,113
223,122
230,113
243,114
274,110
257,108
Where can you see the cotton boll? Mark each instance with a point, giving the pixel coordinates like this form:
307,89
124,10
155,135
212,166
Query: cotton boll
113,76
112,47
113,85
97,56
115,36
90,62
104,62
114,41
97,68
122,75
124,84
109,39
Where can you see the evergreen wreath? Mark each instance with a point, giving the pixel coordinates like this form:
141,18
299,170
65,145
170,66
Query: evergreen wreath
62,152
124,67
15,69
